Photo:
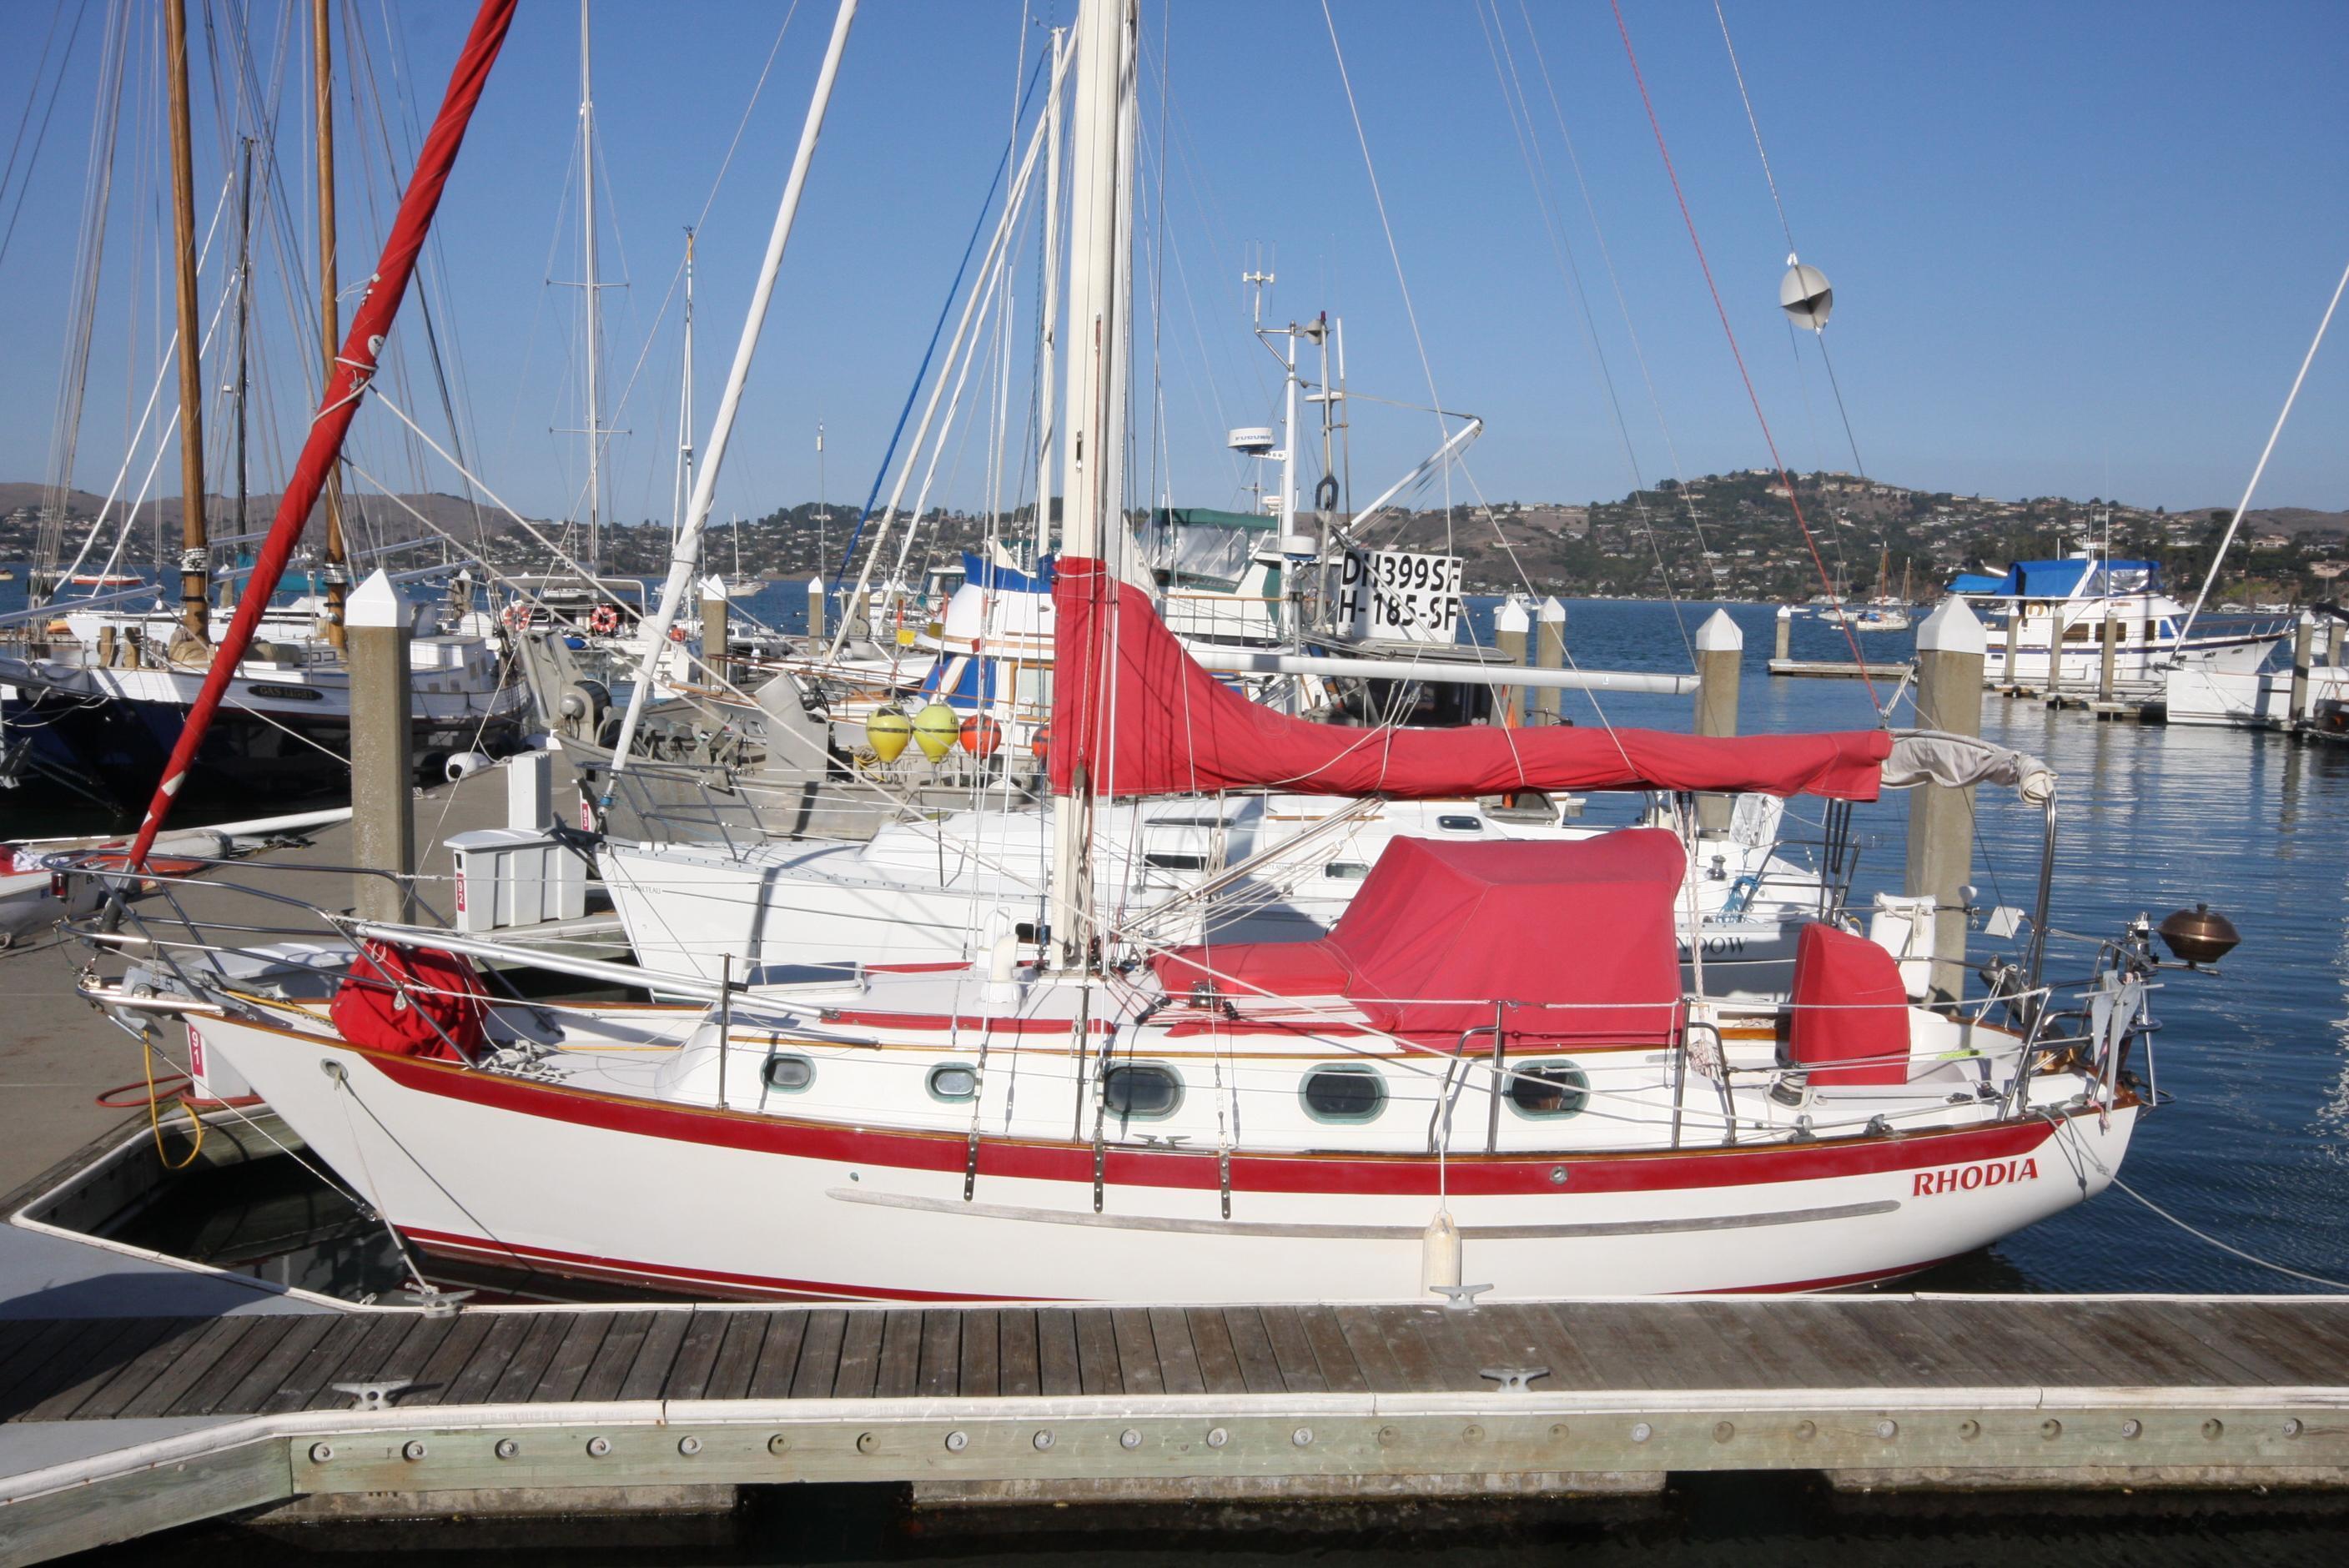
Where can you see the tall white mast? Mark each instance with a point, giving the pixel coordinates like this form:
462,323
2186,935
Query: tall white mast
1092,470
686,560
1046,339
685,406
594,315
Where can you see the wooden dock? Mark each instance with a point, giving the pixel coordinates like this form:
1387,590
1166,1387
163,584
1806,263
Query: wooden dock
1839,669
512,1405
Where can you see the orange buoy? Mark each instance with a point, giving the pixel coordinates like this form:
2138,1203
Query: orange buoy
981,735
1042,746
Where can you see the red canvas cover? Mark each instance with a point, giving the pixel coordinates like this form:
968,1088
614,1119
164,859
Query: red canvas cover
1849,1006
393,997
1131,708
1579,933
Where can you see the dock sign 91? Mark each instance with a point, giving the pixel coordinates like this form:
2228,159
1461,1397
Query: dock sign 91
1392,594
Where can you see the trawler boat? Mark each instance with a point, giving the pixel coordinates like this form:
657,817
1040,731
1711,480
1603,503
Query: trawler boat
2066,604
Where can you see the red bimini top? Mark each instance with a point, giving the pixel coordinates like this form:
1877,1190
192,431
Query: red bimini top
1579,935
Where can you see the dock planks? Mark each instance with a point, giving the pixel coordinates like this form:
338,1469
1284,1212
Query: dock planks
98,1369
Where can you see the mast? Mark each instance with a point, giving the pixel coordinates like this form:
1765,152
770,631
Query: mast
244,333
1096,385
822,506
338,403
685,408
686,560
1048,337
330,309
195,549
595,314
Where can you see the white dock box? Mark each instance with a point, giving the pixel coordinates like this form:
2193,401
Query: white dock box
507,877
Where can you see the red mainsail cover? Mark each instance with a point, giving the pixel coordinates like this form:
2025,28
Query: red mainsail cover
1144,719
1576,935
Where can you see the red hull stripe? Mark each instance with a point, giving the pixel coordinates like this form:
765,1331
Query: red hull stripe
662,1277
1387,1175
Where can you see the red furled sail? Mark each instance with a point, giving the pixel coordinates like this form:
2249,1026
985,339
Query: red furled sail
353,369
1140,717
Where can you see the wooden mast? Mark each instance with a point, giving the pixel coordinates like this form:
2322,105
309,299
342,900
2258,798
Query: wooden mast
329,310
243,351
195,552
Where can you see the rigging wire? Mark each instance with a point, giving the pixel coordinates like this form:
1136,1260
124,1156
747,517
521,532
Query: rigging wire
1562,251
1751,396
41,136
1378,198
1771,178
921,373
2236,522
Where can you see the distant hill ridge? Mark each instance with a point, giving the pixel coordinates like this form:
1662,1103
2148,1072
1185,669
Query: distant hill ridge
450,511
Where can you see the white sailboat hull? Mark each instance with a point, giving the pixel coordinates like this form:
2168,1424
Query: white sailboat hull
495,1170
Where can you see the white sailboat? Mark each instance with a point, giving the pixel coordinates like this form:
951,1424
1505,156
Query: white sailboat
1490,1070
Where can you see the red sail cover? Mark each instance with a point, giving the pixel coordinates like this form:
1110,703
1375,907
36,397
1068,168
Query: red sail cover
1579,935
1850,1007
1131,705
355,367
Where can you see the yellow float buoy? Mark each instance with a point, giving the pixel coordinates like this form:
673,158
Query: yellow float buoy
887,730
936,729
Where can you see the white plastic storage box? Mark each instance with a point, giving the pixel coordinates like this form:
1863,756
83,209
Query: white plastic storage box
507,877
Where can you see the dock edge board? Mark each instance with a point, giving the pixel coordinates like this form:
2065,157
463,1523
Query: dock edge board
1877,1437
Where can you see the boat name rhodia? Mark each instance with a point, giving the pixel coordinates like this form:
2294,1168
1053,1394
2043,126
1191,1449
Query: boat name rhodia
1966,1178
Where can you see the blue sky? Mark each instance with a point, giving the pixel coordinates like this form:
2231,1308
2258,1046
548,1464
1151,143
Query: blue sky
2076,248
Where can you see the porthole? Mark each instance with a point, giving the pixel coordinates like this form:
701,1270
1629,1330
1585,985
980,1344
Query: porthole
1461,824
1143,1092
1343,1094
787,1074
1346,871
953,1081
1547,1088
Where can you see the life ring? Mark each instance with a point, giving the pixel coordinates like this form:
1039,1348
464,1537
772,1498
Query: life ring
516,616
677,634
605,620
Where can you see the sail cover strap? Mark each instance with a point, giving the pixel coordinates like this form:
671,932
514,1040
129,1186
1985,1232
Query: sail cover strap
1142,718
354,368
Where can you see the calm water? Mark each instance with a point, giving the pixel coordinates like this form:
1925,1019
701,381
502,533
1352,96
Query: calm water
2256,1146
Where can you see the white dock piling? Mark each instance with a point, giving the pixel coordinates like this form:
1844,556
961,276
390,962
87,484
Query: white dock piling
383,765
1510,626
1549,653
1720,665
1951,648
